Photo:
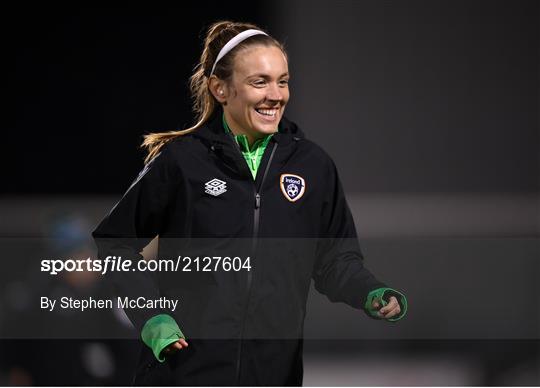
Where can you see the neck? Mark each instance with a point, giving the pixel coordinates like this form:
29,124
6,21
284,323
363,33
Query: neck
236,130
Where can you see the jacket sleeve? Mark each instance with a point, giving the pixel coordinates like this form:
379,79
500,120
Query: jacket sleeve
339,270
132,223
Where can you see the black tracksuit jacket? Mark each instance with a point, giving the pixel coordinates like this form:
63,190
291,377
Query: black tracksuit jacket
243,328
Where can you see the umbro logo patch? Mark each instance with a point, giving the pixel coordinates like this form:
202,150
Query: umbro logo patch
215,187
292,186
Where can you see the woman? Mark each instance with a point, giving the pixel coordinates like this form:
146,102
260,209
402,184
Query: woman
245,179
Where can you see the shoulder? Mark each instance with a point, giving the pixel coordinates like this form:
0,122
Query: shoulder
315,155
306,146
315,150
167,161
171,151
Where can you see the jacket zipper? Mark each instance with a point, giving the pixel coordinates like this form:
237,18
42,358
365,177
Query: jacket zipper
256,216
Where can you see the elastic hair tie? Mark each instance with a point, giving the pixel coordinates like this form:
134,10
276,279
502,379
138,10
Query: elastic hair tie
234,42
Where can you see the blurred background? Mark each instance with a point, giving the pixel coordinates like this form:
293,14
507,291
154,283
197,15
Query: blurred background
430,110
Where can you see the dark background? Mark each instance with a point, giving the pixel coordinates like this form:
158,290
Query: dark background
429,108
412,96
420,96
88,83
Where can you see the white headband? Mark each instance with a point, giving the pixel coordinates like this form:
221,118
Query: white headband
233,43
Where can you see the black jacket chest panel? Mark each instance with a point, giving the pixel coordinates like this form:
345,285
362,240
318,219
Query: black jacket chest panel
221,195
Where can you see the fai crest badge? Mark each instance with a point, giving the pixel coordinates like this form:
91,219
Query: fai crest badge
292,186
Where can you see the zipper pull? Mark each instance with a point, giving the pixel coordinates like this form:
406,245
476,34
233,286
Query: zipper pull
257,200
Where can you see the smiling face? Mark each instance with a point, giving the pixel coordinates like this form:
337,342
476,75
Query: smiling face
255,97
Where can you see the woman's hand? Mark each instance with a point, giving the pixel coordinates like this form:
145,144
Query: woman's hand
392,309
174,347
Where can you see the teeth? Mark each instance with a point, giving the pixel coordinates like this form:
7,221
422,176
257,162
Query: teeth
267,112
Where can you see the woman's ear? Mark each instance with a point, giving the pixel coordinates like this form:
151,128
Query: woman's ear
218,89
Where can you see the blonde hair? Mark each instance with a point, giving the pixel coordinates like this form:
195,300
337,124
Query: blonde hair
204,103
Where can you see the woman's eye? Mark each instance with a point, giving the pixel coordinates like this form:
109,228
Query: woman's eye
284,82
259,83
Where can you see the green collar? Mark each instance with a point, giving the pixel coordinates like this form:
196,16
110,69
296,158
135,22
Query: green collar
242,140
254,155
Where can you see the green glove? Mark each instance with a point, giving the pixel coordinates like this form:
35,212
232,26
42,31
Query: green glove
382,295
159,332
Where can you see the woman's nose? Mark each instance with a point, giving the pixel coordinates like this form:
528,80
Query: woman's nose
274,93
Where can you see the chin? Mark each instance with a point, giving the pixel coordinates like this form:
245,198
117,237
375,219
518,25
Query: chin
267,129
265,126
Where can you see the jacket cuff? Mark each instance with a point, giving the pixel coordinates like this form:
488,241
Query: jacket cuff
383,295
159,332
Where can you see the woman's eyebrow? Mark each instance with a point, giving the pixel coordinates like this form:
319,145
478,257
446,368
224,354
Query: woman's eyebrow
266,76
